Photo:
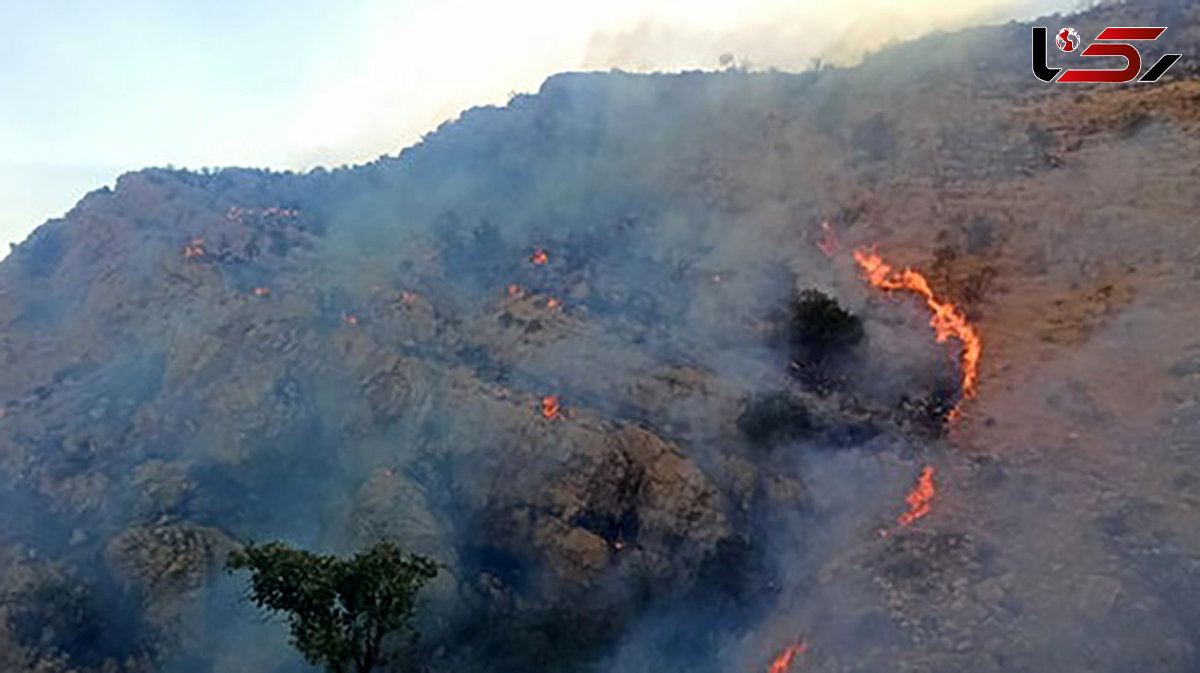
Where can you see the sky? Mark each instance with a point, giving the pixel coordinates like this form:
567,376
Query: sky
90,90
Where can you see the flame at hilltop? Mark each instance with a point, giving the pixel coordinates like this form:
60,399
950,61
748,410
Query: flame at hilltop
947,321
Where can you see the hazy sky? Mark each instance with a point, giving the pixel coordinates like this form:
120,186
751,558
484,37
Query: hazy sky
91,89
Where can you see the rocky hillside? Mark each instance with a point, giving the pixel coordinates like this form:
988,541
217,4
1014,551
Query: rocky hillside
597,354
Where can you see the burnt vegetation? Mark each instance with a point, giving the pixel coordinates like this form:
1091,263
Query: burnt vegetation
821,339
823,343
776,417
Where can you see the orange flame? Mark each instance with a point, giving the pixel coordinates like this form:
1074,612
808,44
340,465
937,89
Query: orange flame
194,248
947,321
783,662
550,407
260,291
539,256
349,319
553,304
516,291
828,242
920,498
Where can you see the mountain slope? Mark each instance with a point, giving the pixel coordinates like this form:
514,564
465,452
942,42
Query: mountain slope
192,359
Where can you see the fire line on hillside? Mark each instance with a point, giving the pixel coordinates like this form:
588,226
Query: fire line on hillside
783,662
920,498
947,320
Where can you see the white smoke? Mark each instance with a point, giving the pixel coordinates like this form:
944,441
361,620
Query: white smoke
430,64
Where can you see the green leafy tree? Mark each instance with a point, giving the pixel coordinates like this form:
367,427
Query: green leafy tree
342,613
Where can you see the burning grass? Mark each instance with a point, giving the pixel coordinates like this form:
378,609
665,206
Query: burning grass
947,320
920,498
551,408
783,662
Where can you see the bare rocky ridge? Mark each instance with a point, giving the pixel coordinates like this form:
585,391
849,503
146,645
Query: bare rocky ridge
192,359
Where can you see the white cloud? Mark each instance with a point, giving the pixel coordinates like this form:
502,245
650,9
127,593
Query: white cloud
432,63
